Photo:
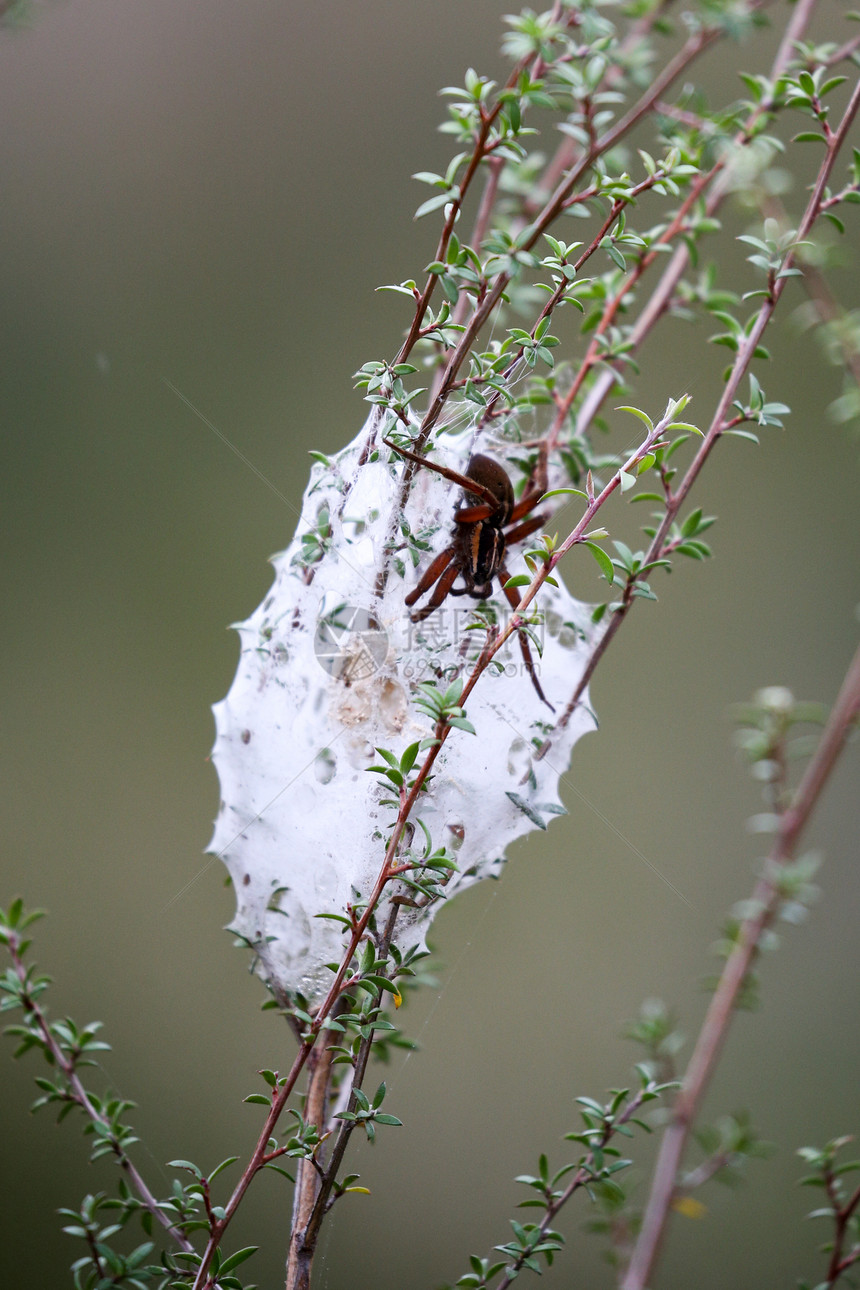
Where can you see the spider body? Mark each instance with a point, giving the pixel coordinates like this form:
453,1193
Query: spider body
485,525
481,542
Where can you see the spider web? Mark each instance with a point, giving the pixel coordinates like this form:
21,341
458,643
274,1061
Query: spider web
301,827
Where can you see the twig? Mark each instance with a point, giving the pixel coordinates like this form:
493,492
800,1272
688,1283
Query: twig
79,1094
719,422
307,1176
662,295
692,48
843,1214
766,899
580,1179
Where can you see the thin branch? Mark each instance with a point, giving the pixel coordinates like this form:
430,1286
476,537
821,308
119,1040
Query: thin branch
690,51
840,1262
79,1094
581,1178
386,873
663,293
479,154
766,899
847,51
307,1176
567,152
720,420
692,48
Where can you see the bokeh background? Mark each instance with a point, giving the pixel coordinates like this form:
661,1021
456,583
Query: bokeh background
207,195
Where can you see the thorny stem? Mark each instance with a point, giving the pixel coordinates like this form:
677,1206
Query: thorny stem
766,899
79,1094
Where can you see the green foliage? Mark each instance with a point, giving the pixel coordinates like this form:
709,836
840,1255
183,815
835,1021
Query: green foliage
842,1208
595,1171
316,542
768,736
655,1030
367,1113
443,706
727,1146
515,319
396,771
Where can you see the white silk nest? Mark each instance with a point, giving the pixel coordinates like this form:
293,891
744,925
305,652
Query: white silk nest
327,674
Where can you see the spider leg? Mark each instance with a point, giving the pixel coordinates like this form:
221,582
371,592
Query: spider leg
470,485
446,571
430,575
513,598
471,514
538,485
521,531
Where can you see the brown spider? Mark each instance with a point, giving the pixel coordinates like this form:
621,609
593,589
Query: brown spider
481,536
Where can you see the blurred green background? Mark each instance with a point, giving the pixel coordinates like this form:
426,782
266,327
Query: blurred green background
207,195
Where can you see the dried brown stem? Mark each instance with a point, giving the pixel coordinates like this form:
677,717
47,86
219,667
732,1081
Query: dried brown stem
307,1189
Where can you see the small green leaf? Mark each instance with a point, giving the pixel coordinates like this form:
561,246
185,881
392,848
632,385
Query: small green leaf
526,809
603,561
433,204
225,1164
637,412
561,492
233,1260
